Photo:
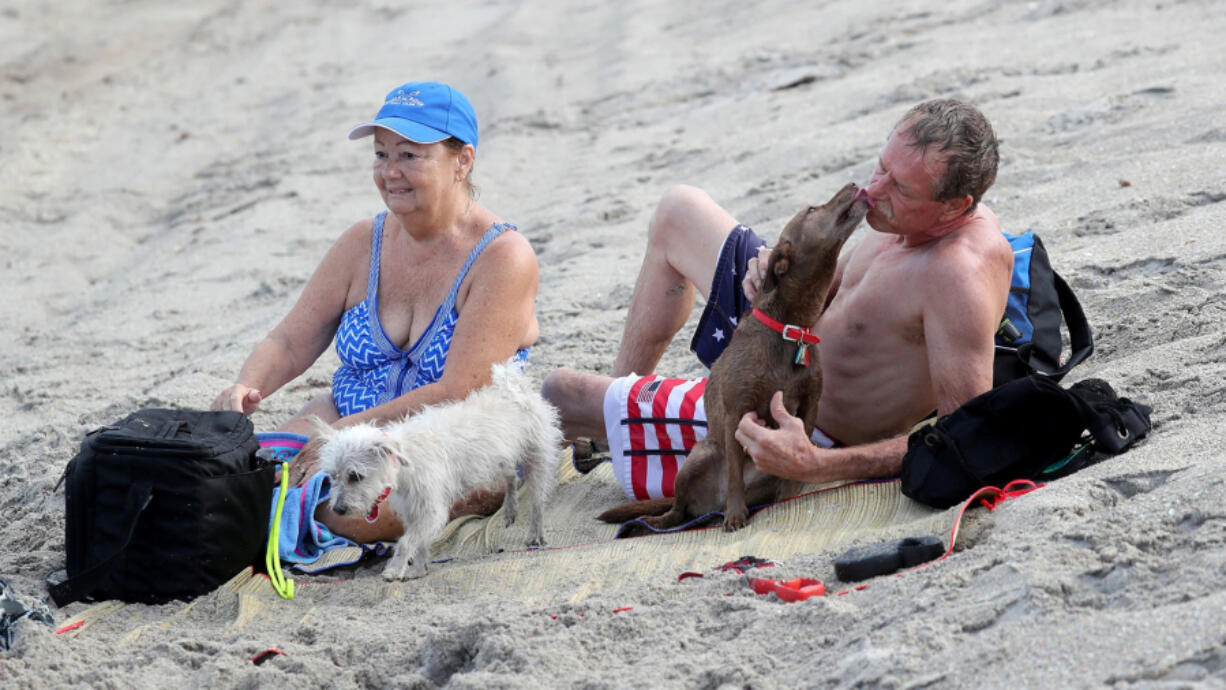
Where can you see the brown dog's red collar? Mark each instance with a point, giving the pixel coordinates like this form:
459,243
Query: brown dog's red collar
790,332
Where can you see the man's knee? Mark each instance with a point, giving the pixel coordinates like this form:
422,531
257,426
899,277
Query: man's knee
579,397
554,386
675,213
566,388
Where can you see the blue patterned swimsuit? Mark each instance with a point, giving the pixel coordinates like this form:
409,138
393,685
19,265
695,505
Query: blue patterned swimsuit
373,370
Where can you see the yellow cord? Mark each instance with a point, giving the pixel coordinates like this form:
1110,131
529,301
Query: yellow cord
272,557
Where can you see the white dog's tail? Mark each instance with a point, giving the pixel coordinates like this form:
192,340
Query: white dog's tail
510,375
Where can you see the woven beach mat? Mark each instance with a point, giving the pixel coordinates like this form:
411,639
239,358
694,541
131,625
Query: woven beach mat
484,556
583,556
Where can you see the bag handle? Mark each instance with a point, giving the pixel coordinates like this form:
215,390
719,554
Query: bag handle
76,588
169,429
1115,425
1081,339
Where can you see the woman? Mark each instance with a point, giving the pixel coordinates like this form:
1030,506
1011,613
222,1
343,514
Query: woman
421,299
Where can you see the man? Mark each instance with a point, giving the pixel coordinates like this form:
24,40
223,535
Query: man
909,322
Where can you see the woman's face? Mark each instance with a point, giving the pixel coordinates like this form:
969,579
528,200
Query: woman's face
413,177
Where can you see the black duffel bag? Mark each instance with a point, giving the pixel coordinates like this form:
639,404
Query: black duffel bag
162,505
1028,428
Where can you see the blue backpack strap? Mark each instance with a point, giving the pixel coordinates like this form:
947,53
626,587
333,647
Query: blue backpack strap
1028,340
1016,328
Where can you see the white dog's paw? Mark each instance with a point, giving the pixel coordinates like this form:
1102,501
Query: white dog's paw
536,541
396,569
404,569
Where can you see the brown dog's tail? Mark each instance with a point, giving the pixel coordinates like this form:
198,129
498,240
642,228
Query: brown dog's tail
636,509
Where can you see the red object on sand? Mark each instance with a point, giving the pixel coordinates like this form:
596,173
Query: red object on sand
69,628
266,655
791,590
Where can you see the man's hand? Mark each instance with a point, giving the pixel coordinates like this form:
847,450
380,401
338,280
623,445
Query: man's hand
238,398
755,272
785,452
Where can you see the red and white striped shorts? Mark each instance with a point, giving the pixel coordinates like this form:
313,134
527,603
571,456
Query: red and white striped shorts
651,424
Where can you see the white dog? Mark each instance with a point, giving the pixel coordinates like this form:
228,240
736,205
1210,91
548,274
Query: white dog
421,464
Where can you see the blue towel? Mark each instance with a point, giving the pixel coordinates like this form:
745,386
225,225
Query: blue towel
303,539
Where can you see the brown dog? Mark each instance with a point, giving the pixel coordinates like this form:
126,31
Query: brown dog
767,353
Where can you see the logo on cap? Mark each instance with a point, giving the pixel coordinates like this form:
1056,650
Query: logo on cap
401,97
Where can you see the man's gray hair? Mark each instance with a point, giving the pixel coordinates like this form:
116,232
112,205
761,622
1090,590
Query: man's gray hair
965,137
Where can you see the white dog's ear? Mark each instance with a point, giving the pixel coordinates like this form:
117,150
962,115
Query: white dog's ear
386,448
321,428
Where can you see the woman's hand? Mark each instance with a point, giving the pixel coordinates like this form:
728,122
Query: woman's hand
238,398
755,272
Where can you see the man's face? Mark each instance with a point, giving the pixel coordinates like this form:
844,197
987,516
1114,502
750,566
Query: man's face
902,186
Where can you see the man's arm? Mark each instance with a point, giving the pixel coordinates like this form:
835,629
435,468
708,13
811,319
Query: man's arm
787,451
959,321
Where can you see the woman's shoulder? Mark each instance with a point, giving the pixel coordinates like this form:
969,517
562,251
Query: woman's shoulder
359,231
510,250
354,240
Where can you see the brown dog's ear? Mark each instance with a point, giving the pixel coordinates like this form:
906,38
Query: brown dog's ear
781,258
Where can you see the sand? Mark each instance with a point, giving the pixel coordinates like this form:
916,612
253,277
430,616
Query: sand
172,173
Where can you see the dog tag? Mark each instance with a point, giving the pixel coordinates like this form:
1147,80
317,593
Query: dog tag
802,355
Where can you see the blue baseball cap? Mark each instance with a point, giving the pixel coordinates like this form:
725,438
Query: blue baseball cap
424,112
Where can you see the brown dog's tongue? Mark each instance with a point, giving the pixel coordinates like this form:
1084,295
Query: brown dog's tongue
863,196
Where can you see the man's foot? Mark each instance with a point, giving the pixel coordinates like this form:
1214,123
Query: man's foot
587,454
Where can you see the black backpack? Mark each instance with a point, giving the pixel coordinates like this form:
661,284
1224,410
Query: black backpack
162,505
1028,340
1028,428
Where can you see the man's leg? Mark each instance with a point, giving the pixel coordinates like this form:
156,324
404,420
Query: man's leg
684,238
579,397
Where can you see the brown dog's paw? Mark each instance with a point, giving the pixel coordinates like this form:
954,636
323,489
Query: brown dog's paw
734,522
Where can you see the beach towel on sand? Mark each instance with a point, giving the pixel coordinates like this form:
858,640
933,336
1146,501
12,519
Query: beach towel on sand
303,539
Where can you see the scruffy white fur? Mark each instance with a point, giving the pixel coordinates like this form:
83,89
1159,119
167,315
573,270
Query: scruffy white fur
441,453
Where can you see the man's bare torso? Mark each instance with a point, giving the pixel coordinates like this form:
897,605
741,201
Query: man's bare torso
875,354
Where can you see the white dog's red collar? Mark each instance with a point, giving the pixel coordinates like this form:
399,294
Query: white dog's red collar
374,510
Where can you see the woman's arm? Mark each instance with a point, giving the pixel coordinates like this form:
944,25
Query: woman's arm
298,340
